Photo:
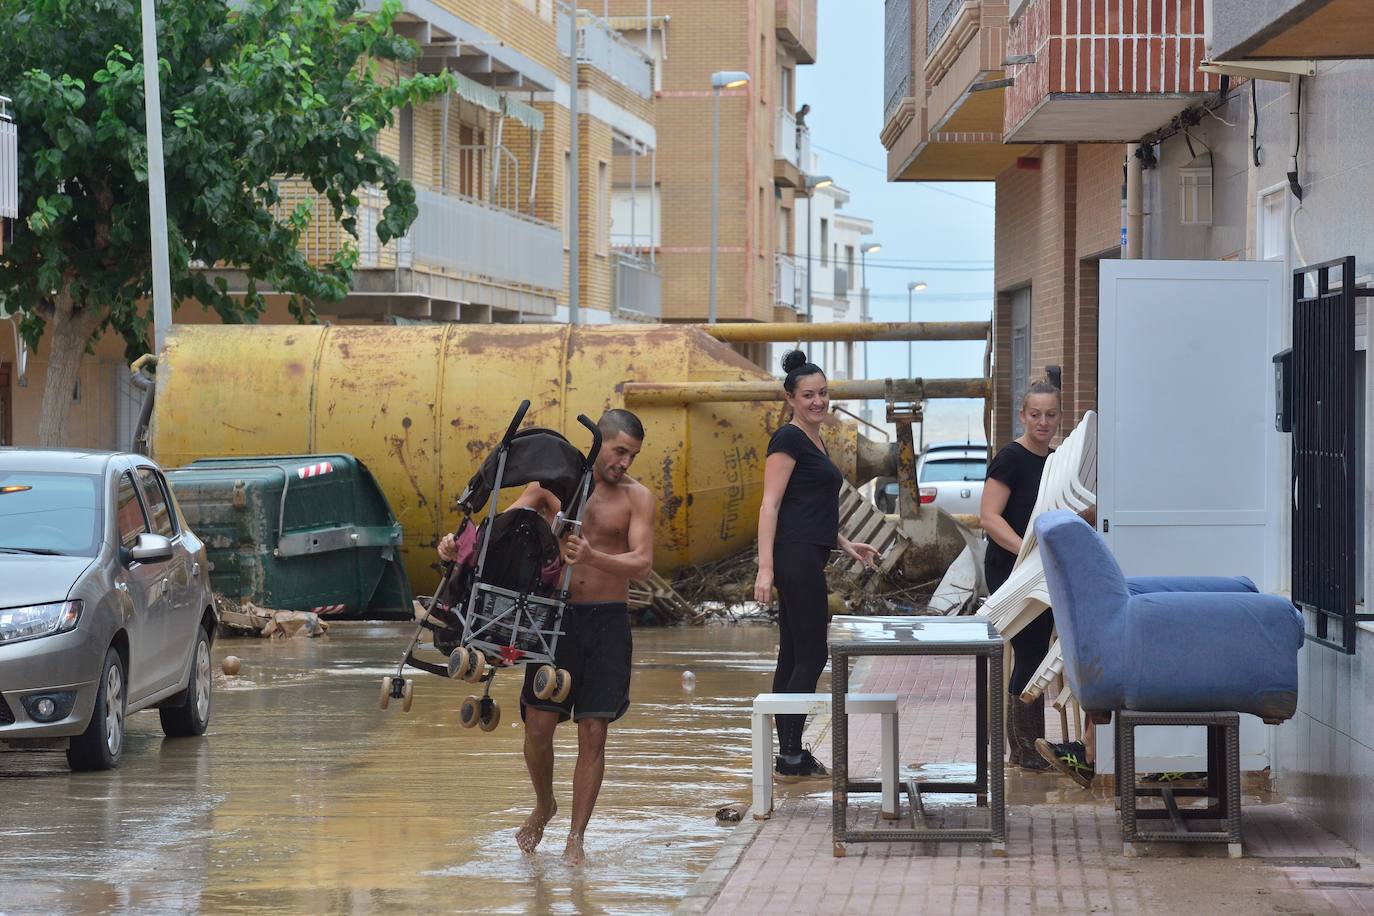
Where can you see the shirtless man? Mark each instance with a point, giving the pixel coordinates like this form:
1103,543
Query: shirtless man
615,546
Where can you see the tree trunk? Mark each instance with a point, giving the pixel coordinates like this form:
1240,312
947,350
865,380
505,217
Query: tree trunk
69,331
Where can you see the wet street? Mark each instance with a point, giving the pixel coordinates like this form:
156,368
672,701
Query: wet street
305,797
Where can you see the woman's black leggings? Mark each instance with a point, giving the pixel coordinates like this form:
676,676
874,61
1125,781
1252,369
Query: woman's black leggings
1028,650
803,616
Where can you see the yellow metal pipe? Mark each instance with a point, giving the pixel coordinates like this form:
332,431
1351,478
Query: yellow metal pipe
665,394
847,331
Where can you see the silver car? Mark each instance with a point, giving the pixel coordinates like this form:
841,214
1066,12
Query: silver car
951,474
105,604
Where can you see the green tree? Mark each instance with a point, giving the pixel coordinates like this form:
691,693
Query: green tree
253,92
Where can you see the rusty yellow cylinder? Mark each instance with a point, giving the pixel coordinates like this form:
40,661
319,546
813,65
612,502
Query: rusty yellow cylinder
422,405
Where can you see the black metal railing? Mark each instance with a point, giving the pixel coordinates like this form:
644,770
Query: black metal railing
940,16
1324,451
896,55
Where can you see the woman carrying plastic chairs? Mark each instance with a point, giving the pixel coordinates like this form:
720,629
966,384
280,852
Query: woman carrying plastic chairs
799,524
1009,494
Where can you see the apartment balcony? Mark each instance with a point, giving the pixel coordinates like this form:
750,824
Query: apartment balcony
462,259
602,47
944,93
1292,29
796,28
786,283
637,293
1086,72
791,150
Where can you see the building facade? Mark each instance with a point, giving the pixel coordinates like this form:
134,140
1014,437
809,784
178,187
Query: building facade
762,148
1191,130
491,165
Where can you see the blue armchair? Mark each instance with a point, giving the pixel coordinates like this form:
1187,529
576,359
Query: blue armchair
1165,644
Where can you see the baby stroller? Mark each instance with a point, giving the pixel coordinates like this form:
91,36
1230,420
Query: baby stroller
500,603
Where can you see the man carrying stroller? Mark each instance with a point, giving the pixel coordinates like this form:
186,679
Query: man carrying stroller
614,546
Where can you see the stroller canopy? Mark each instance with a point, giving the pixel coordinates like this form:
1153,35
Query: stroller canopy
536,455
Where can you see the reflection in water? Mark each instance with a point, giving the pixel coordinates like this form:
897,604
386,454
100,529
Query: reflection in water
305,797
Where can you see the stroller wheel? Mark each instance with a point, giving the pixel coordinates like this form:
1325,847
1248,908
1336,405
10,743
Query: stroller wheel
545,682
386,693
457,662
477,667
492,719
563,686
470,712
407,696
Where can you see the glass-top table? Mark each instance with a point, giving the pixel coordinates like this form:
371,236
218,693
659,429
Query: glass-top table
850,637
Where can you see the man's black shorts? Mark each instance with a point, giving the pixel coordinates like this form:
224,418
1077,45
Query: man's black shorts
596,650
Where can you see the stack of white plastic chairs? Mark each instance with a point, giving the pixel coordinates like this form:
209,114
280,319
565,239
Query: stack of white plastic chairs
1069,481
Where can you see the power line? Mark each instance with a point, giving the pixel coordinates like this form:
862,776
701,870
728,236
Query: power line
919,184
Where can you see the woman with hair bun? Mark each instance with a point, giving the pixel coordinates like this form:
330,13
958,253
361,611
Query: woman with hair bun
799,524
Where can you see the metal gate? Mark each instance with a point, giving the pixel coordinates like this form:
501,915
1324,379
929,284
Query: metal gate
1324,456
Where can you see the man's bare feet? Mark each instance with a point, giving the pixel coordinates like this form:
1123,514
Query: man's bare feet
573,853
532,831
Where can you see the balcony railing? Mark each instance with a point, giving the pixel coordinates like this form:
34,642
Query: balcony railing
939,17
470,237
786,141
785,281
638,291
602,47
896,56
792,143
9,163
451,234
841,283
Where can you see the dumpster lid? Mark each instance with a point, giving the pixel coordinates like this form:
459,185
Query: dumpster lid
535,455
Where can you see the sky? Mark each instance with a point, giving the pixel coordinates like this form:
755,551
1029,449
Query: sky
939,233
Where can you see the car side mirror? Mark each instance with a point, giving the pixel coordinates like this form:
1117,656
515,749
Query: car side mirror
151,548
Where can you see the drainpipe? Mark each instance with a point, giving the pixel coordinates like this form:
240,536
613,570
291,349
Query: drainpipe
1135,216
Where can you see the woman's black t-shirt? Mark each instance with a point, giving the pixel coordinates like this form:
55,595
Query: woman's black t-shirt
1020,469
810,510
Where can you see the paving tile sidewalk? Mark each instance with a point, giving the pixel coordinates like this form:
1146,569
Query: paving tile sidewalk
1063,844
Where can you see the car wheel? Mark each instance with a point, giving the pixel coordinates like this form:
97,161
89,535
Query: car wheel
192,716
99,746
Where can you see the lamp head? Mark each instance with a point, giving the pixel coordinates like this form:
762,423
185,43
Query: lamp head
818,181
916,286
870,247
729,79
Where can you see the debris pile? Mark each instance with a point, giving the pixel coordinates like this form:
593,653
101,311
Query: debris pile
725,589
248,619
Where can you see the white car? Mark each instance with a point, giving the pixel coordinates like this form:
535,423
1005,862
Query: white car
951,475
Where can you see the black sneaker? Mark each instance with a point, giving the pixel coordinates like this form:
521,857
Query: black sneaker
1069,758
808,767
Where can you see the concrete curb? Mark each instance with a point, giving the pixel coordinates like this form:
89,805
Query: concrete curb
708,884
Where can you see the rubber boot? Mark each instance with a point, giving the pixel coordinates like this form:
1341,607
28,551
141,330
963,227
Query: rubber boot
1030,725
1013,748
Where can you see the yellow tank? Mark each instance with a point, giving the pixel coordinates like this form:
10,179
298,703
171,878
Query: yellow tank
423,405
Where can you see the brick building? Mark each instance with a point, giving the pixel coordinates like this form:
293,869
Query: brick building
762,149
1040,97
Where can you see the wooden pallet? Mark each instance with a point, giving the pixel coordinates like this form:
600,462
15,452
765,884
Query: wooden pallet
863,522
657,593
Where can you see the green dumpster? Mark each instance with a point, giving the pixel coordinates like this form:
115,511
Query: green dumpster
297,532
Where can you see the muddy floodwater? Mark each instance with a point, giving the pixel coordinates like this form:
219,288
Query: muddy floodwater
305,797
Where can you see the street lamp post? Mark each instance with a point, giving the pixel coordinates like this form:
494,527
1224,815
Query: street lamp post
864,251
157,189
812,183
724,79
915,286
